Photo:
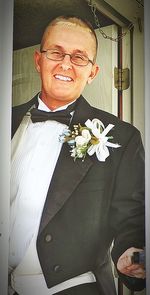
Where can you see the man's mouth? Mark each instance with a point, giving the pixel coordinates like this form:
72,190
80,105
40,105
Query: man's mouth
63,78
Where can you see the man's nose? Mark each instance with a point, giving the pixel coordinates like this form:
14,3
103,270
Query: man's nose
66,63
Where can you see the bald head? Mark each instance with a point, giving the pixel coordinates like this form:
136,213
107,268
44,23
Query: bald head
71,21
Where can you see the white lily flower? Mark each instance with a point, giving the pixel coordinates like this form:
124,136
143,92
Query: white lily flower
101,149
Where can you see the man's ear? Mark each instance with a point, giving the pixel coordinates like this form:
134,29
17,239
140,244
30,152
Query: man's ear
37,59
95,70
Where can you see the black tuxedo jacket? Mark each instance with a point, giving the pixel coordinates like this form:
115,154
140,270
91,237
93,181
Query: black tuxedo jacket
90,204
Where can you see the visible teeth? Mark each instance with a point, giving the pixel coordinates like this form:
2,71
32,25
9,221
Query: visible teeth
63,78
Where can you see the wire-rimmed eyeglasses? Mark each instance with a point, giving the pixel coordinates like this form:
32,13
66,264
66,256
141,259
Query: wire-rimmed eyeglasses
76,58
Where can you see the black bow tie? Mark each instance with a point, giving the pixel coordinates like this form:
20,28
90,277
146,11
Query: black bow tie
60,116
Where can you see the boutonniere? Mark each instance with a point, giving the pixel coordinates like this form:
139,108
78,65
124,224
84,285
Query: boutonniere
90,139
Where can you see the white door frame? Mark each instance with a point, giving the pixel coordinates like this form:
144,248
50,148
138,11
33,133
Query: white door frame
6,34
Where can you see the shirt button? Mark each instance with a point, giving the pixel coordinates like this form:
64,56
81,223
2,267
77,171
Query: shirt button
48,238
57,268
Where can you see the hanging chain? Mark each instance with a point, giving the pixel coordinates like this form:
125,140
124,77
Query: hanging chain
97,23
140,3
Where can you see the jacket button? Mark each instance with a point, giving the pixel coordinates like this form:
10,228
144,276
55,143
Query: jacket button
57,268
48,238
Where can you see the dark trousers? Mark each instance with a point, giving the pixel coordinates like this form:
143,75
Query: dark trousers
84,289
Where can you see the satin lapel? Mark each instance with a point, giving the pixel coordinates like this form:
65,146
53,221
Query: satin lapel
18,112
68,173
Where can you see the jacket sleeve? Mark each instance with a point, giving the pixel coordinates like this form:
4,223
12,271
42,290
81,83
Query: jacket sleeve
127,211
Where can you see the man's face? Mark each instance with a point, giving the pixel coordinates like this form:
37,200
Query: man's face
63,81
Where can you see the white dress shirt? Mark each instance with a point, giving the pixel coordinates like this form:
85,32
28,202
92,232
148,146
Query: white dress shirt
32,168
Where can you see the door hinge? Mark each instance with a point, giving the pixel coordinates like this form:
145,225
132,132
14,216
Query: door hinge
121,78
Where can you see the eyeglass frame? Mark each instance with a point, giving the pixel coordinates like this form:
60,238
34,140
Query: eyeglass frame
63,56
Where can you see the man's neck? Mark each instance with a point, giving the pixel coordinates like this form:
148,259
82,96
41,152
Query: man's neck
54,104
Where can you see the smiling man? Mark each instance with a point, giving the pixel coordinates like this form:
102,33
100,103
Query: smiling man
65,213
65,67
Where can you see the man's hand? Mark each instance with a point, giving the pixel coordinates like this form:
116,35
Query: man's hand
125,265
